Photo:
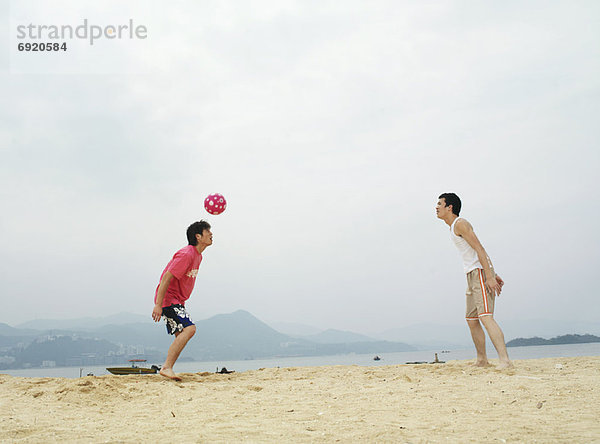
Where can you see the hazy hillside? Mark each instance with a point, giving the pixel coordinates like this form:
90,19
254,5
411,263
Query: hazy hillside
88,323
7,330
11,336
294,329
237,335
62,348
456,335
240,335
565,339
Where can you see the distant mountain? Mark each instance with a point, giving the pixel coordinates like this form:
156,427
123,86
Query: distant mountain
63,348
565,339
294,329
7,330
453,336
88,323
332,336
9,336
240,335
147,334
547,328
237,335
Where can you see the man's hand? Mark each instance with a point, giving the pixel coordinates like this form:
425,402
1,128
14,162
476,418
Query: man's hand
465,230
160,295
157,313
495,284
500,284
492,283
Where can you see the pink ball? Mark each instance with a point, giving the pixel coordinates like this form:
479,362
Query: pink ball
215,204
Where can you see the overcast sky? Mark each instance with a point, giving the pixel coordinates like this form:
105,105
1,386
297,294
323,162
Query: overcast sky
331,128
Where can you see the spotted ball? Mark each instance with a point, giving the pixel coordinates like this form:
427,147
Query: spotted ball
215,204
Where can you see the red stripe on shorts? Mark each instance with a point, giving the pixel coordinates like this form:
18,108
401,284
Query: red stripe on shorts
483,292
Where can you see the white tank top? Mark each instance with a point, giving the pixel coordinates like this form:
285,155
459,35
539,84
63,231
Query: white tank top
469,255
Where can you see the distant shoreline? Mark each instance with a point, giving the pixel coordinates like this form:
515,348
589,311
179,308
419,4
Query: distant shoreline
558,340
361,360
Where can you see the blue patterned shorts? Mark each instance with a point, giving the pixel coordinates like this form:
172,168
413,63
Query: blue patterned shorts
177,318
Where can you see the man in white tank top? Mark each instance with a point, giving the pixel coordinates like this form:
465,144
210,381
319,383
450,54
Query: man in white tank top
483,284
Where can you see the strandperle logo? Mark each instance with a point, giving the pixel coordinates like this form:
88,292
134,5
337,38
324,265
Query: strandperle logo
85,31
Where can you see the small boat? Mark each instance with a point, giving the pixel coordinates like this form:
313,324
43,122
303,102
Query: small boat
134,369
376,358
435,361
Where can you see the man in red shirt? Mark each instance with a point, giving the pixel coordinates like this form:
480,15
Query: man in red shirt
176,284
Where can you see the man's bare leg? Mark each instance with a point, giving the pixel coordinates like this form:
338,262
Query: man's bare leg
478,336
497,337
180,341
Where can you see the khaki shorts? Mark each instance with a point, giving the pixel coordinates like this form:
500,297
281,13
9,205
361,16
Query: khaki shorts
480,299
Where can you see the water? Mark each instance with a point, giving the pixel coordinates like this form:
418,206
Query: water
534,352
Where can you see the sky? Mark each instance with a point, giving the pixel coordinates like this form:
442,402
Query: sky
331,128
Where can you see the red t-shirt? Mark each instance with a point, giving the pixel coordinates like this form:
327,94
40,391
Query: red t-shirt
184,268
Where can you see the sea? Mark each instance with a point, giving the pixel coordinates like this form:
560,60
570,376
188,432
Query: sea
515,353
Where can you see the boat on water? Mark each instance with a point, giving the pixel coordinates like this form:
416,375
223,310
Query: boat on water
134,369
435,361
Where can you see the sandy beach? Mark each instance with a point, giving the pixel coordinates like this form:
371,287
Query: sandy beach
540,400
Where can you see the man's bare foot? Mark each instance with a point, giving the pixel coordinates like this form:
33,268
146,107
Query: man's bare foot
505,365
168,373
481,364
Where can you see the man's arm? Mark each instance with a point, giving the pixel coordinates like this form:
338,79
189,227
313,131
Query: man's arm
465,230
160,295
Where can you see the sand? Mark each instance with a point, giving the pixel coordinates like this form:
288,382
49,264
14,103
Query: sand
540,400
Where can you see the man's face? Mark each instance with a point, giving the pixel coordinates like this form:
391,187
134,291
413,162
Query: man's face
441,210
205,238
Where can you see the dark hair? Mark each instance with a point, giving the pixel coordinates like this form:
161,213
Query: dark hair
196,228
452,199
